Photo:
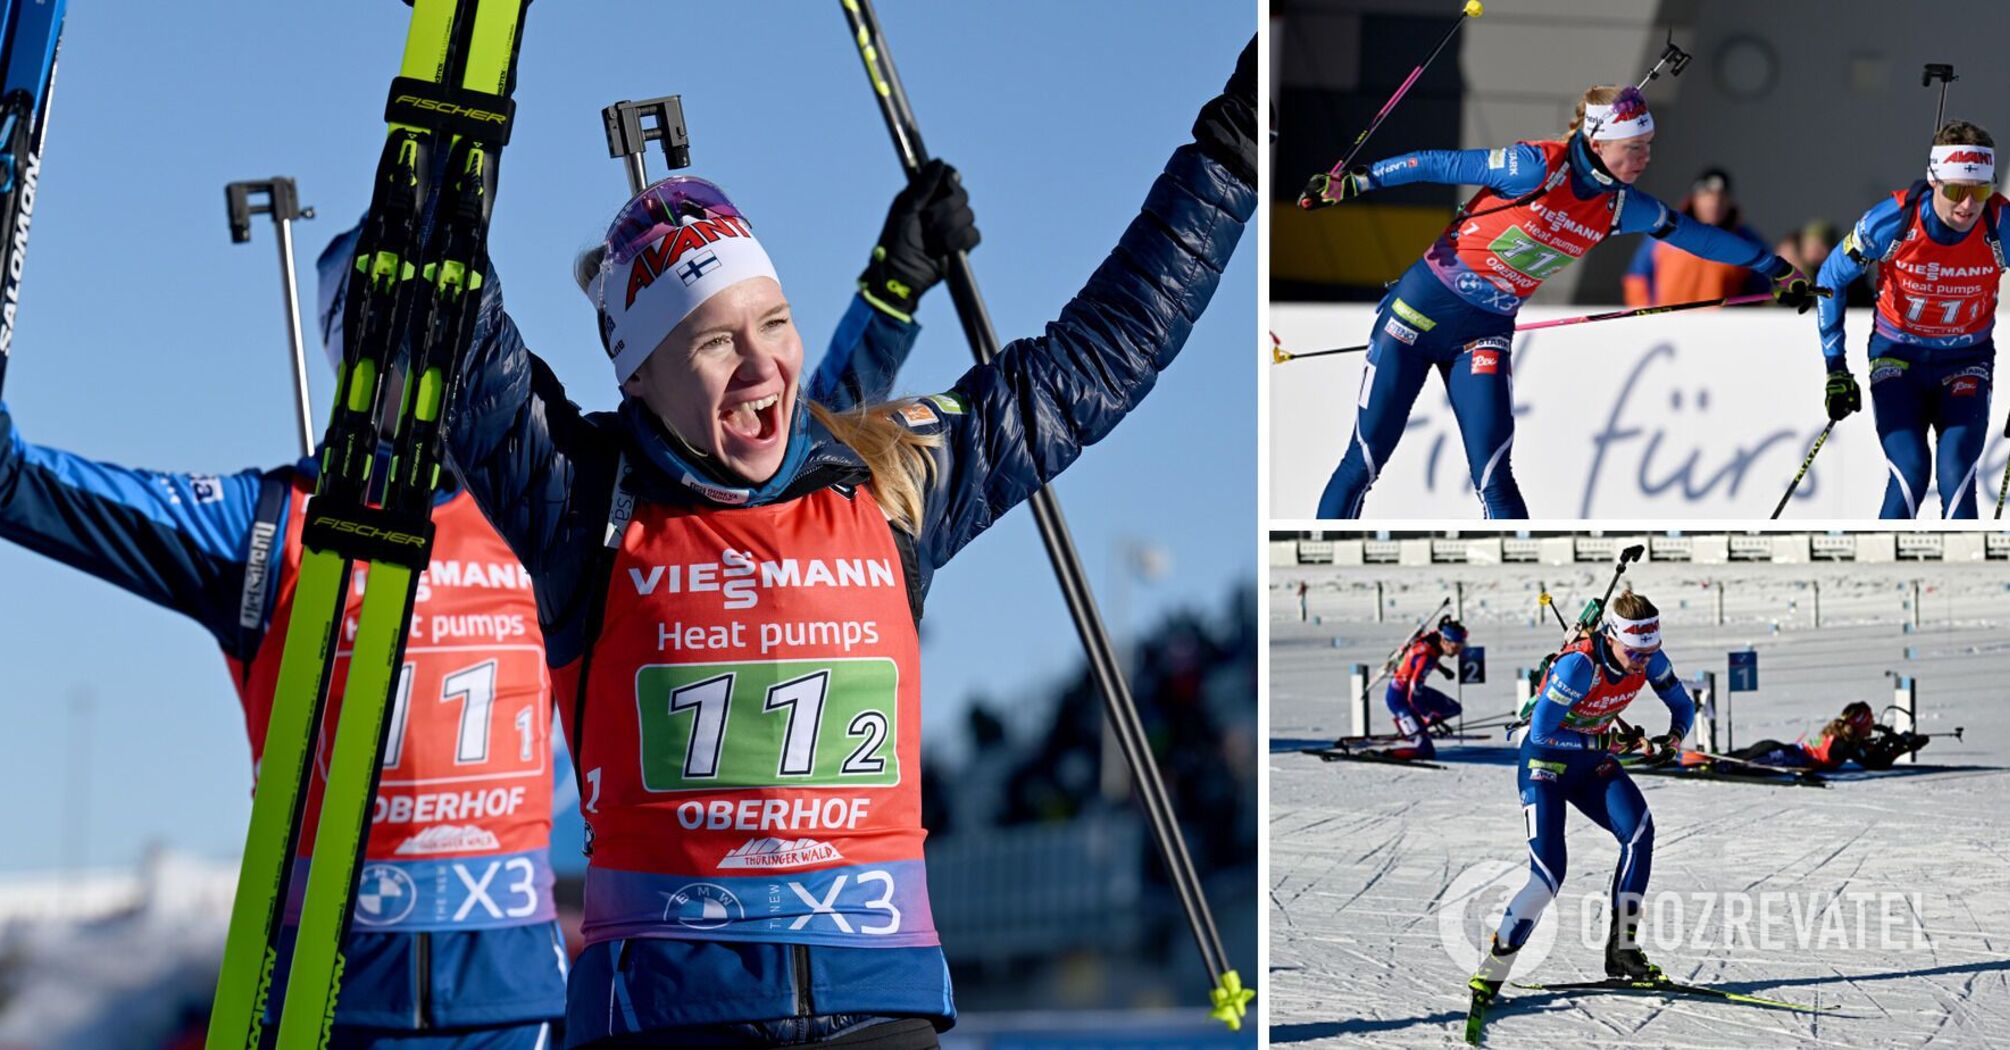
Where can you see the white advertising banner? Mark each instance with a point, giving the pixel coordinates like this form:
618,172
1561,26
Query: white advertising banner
1700,415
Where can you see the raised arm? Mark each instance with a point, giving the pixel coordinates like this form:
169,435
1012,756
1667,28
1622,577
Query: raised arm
929,220
865,355
177,540
1013,425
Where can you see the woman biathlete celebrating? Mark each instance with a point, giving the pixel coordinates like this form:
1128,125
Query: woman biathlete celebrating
456,946
1932,348
1543,205
1567,759
730,576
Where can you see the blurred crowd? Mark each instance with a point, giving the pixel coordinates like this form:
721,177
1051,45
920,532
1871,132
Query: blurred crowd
1194,679
1662,273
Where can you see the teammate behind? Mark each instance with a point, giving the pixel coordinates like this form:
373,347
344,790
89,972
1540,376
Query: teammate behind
1932,348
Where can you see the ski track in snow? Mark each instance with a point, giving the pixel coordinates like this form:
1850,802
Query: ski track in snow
1364,857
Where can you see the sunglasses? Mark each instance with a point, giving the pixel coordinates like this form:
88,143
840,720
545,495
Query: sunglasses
1962,191
1630,655
673,202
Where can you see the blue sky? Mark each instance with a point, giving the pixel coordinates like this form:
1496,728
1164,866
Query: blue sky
146,338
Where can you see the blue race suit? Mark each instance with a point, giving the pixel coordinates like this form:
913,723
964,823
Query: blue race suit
545,472
1919,383
1467,328
184,541
1563,762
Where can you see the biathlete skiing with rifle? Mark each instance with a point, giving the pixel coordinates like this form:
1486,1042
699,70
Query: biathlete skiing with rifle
1542,205
439,964
1932,352
730,578
1567,759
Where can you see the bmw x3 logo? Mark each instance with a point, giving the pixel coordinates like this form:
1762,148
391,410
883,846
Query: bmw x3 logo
702,906
385,895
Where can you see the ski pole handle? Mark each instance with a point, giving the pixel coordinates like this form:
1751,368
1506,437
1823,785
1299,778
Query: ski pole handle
1471,9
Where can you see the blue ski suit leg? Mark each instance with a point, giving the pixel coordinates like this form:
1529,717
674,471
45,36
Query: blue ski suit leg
1420,326
1914,390
1599,788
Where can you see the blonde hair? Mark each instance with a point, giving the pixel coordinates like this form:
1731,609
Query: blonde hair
1962,133
1632,606
1602,95
586,265
897,457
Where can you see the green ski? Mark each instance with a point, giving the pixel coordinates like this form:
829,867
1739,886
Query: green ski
459,68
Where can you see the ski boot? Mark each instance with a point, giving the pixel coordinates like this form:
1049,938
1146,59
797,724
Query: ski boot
1486,985
1493,971
1624,961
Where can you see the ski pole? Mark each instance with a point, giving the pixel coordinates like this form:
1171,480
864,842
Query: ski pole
282,202
1229,997
34,37
1279,355
1314,195
1821,439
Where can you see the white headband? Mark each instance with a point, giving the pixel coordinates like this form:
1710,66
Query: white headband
1962,164
1635,634
1609,122
641,301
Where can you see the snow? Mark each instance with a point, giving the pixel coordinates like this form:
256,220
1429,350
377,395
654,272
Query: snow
111,960
1884,899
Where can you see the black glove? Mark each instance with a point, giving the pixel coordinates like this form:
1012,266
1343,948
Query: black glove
1443,670
1325,190
1841,396
929,221
1622,739
1664,749
1226,127
1794,291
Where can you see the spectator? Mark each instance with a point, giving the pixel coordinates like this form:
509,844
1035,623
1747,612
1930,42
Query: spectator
1662,273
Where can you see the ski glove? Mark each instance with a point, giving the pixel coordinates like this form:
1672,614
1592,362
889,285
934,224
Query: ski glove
1841,395
929,221
1622,740
1664,749
1443,670
1226,127
1795,291
1325,190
